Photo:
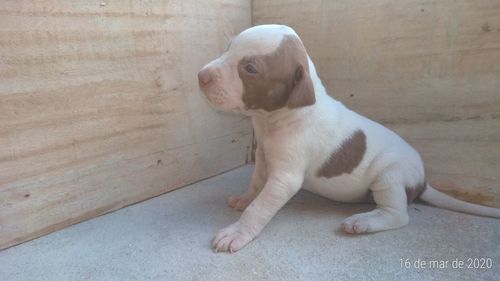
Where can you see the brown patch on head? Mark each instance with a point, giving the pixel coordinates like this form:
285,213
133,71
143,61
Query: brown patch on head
278,79
346,157
413,192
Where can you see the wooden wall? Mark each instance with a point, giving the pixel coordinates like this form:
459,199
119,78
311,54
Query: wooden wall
430,70
100,107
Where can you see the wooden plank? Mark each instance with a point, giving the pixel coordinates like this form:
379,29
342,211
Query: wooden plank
427,69
100,107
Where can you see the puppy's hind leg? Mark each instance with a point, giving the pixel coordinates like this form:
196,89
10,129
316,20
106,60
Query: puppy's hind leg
391,212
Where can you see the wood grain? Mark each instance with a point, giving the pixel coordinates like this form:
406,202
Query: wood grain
100,108
427,69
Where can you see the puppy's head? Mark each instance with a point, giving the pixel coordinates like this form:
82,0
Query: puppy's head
263,68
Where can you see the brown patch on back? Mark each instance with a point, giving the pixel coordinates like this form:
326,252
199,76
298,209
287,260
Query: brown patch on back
346,158
413,192
282,78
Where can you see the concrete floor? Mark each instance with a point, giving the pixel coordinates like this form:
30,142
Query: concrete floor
167,238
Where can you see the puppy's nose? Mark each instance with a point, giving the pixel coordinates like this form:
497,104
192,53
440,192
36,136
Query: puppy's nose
204,76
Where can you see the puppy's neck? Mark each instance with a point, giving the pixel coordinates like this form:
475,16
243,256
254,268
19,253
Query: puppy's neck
280,119
319,89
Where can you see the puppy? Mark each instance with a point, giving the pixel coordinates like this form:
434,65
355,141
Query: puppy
307,138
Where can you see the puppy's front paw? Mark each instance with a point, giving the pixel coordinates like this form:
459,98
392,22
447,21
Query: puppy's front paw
231,238
240,202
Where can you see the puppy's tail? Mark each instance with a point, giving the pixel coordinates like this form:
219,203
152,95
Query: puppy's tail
439,199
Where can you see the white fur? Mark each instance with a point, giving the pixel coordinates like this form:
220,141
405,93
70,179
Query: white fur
286,160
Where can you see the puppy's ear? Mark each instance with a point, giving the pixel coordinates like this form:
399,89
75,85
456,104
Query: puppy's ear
302,93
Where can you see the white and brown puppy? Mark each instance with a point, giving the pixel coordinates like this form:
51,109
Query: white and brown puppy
307,138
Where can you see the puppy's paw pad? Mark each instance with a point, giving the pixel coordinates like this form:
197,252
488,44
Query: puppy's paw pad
231,239
239,202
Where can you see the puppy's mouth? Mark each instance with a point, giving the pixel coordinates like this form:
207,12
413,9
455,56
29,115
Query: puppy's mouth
216,96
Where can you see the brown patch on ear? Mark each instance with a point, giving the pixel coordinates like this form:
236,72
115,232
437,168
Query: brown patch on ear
346,158
413,192
303,90
281,79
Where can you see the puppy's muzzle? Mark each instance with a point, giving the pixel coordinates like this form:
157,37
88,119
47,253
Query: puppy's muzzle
206,76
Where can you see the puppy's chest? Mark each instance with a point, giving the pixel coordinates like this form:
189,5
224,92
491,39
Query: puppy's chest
335,158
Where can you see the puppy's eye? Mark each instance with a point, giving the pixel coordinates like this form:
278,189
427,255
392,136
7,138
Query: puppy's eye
250,69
